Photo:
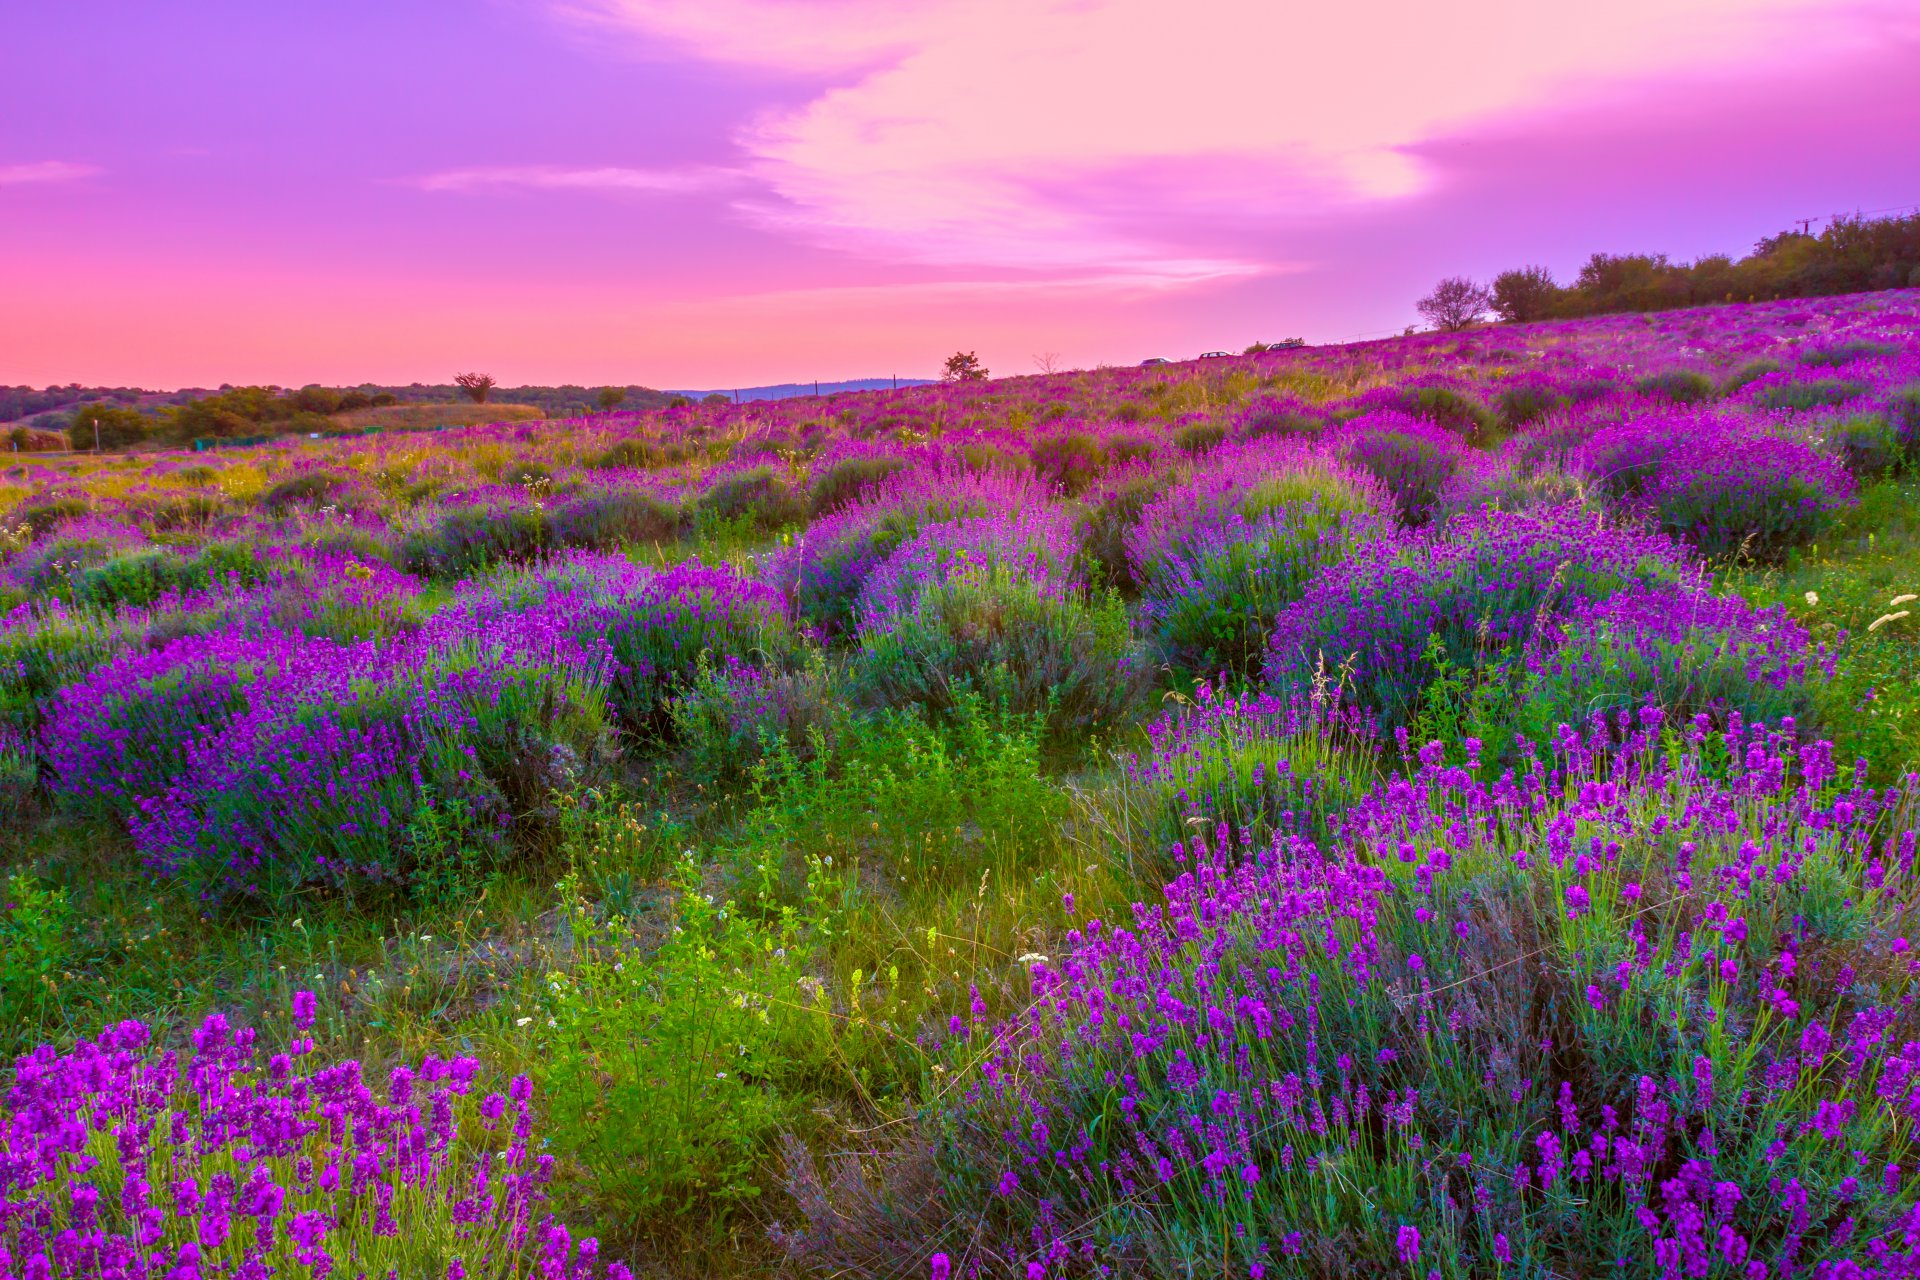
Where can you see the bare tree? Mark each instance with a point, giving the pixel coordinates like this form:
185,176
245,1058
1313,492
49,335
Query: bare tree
963,366
1454,304
1047,362
476,385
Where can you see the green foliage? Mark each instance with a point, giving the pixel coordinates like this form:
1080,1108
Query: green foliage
1821,393
849,480
762,498
997,635
669,1070
468,540
612,519
1101,527
1525,294
1869,446
1197,438
35,943
108,427
1682,386
1457,410
1067,463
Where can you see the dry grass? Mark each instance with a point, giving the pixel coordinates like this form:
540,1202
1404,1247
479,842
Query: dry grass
438,415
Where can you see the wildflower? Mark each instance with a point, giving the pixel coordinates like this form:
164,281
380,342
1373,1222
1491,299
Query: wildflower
1408,1243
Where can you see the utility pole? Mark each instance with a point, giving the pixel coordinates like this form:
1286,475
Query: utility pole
96,433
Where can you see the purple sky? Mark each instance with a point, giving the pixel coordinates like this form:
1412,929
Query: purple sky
729,192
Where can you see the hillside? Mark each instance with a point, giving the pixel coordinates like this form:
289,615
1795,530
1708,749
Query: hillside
1444,805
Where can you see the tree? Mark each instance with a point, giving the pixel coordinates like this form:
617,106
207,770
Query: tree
610,398
963,366
1047,362
117,427
1523,294
1454,304
476,385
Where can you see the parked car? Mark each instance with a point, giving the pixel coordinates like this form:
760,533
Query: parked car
1216,355
1150,361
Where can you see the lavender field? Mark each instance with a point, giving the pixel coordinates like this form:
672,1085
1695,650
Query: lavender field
1433,807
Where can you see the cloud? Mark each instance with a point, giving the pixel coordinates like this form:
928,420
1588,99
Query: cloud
1026,135
45,171
610,178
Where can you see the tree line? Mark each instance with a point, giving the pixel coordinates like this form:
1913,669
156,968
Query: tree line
1853,254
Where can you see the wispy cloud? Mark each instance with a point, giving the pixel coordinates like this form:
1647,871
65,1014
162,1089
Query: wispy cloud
610,178
44,172
985,133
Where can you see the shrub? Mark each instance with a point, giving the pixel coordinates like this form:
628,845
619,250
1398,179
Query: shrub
1822,393
308,489
1869,448
1412,458
1751,492
1272,415
1750,372
1682,650
1104,519
994,634
401,762
1211,598
1036,543
1840,354
1530,987
1523,402
638,455
1235,768
610,519
40,514
132,578
1196,438
850,479
1067,463
1397,612
1458,411
470,539
762,497
1682,386
733,712
1903,415
823,570
658,627
221,1161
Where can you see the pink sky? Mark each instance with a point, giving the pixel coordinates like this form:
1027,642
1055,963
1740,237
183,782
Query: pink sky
696,193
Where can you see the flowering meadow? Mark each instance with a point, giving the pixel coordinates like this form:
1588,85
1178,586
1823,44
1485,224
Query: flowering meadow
1437,807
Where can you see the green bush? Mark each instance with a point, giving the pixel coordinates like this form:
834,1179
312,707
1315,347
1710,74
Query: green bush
612,519
997,635
1868,446
1456,410
1801,397
466,540
763,498
1067,463
670,1070
1682,386
1751,371
1197,438
848,480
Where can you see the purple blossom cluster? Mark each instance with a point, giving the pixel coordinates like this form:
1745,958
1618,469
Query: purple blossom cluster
1645,1004
1036,542
1479,588
121,1159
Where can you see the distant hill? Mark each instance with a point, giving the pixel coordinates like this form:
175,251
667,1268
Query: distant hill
788,390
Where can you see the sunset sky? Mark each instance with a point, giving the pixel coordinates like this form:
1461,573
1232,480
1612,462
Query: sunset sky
710,193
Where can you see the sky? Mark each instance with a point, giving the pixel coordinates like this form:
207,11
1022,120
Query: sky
717,193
